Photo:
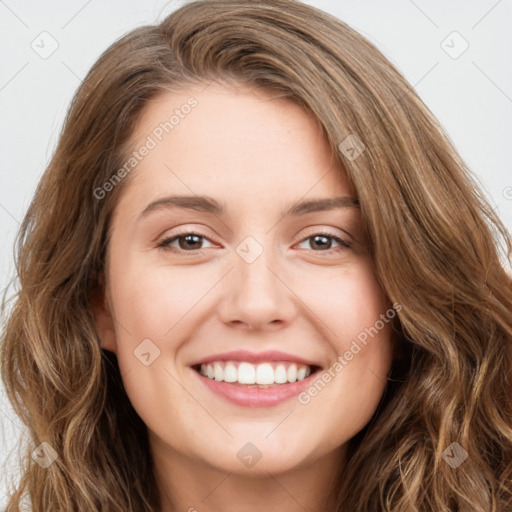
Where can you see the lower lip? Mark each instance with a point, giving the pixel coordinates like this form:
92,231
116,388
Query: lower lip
256,397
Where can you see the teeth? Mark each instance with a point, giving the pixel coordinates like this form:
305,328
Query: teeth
230,373
280,375
301,373
246,374
292,373
263,374
218,372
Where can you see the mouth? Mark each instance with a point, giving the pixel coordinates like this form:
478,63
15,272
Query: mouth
255,379
265,384
263,375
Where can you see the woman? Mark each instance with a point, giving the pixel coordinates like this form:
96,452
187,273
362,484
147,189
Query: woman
181,339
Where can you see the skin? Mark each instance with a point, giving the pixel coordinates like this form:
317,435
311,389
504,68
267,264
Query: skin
258,156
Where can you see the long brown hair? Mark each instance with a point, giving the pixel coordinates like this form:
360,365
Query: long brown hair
439,251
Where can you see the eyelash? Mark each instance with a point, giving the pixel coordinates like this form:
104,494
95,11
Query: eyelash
164,244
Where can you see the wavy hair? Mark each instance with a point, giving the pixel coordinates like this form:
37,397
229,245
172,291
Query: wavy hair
438,248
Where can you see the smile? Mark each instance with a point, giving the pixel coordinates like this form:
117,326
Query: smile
254,379
257,375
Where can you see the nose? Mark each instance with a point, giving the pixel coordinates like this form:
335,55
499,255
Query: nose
256,295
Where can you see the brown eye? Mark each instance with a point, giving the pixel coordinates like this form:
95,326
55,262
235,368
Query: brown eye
322,242
187,242
190,242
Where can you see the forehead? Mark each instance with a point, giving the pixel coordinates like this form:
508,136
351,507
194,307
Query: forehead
243,144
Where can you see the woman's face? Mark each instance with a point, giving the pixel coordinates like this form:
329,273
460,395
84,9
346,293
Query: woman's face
271,282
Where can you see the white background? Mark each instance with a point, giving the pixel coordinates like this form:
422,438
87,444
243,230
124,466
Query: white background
471,95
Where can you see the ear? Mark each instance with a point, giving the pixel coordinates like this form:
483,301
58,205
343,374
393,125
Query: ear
103,318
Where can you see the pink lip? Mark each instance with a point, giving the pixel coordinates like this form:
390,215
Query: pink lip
254,357
256,397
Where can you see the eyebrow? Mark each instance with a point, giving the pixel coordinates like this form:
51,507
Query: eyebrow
209,205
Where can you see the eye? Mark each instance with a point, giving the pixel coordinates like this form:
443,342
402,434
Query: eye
321,240
187,241
190,242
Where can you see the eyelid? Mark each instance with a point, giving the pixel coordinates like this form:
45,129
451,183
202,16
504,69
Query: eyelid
311,230
181,231
315,230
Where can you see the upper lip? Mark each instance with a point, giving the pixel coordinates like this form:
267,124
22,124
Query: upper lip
254,357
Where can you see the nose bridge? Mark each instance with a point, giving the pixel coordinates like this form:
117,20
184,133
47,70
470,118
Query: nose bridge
253,262
257,294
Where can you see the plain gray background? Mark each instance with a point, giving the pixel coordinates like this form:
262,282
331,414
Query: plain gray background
468,89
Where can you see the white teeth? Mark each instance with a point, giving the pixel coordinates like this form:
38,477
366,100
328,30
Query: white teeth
246,374
230,373
292,373
263,374
218,372
280,376
301,373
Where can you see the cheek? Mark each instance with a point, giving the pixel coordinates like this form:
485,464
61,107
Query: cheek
359,317
156,307
364,323
150,300
348,301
